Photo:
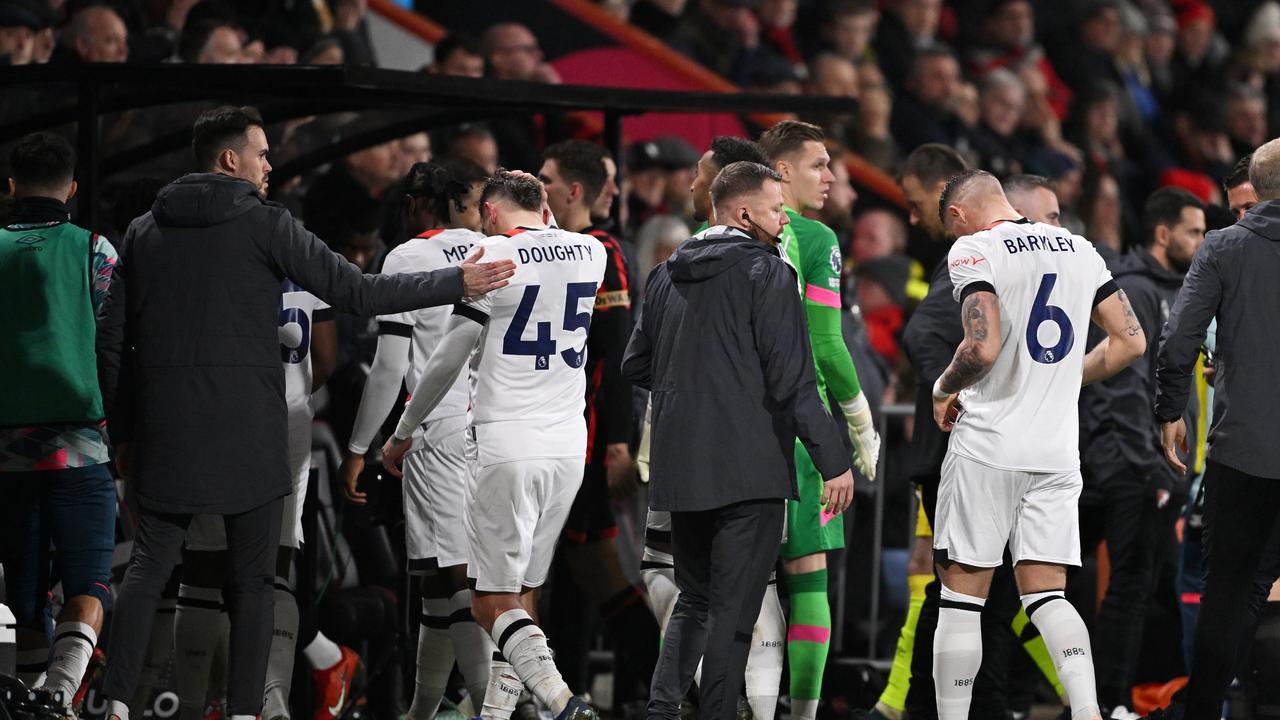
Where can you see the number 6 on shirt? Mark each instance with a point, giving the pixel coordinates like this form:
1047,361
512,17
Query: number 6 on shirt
1042,312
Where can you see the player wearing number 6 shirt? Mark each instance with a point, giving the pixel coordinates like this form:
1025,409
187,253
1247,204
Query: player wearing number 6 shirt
1009,397
527,423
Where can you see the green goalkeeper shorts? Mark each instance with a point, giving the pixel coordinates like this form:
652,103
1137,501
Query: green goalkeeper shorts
806,532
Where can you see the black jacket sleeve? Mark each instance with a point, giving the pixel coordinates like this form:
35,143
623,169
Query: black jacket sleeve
637,361
304,258
114,374
782,342
610,328
934,331
1184,334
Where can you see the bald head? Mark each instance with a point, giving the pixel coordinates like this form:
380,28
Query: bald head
99,35
972,200
1264,171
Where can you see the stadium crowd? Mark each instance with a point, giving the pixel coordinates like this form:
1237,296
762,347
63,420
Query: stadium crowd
1128,122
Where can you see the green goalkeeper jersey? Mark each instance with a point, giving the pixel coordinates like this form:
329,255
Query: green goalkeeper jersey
812,249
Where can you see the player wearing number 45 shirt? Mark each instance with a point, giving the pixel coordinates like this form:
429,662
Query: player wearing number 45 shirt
1009,397
527,424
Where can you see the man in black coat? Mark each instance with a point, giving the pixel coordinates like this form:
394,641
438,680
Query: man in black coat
722,347
1232,279
189,365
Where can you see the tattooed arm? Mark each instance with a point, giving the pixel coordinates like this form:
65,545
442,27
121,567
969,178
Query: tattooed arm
980,315
1124,343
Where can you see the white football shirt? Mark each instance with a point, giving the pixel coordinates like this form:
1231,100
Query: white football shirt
528,386
432,250
1024,415
298,310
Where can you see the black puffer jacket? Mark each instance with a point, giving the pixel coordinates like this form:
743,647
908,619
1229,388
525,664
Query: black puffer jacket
189,359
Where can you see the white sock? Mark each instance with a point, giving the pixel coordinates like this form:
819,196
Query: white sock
957,653
115,708
159,649
32,665
435,659
322,653
806,709
524,645
243,717
503,693
284,636
1067,638
73,644
764,663
471,645
198,627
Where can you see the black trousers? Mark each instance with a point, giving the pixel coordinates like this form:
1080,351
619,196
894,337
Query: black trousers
723,558
990,687
1130,522
1241,512
252,539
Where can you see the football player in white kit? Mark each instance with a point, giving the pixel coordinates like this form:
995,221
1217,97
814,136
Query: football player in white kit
528,429
1009,398
306,329
443,204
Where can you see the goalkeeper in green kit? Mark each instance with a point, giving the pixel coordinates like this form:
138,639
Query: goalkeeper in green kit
797,151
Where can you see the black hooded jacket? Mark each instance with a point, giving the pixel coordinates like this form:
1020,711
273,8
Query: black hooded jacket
722,345
188,355
1123,440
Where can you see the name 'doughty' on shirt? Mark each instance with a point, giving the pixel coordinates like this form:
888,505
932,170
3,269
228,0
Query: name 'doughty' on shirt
554,253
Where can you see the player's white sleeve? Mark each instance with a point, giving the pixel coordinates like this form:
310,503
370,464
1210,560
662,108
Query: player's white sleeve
389,365
968,263
393,265
440,373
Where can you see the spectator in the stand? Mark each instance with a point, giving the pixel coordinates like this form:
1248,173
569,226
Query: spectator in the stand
458,55
660,172
836,76
775,74
474,142
210,43
511,52
1087,56
877,233
1009,41
18,27
777,20
880,292
351,28
849,28
995,140
1102,210
411,150
353,190
1142,99
1094,127
1201,53
1200,129
874,141
325,51
724,35
924,113
656,240
97,34
279,45
659,18
1246,118
1160,44
907,27
1240,193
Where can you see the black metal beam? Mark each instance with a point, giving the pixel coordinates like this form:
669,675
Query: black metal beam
89,131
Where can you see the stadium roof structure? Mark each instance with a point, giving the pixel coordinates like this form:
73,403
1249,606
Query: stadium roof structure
384,105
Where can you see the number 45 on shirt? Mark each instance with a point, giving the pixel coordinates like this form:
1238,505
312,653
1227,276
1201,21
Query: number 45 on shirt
543,346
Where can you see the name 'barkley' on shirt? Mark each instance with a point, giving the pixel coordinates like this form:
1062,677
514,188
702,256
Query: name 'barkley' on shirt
1043,243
